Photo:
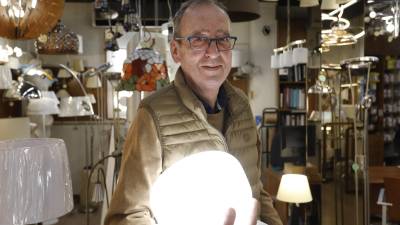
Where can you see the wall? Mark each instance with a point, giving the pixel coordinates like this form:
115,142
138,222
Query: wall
78,18
263,86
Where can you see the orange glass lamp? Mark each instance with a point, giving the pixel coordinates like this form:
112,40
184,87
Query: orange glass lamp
144,70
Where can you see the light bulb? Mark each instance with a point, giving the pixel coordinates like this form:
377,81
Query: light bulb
3,3
10,51
18,52
390,27
372,14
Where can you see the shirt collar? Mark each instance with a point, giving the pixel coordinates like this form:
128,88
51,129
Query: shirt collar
219,104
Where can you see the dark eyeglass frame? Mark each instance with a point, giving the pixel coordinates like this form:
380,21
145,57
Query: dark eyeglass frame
210,40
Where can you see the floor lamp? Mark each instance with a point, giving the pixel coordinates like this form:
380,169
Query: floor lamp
361,160
294,189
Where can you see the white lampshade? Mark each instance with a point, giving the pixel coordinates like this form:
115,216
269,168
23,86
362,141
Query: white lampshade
329,5
239,58
294,188
62,73
92,98
300,56
275,61
308,3
93,82
219,182
287,58
76,106
5,77
35,181
42,106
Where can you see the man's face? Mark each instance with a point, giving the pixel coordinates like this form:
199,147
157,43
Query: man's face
208,69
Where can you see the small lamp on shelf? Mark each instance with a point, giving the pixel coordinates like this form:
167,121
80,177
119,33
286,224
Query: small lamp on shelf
294,189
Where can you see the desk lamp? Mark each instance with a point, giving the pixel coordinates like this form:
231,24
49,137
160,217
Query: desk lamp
199,189
294,188
35,181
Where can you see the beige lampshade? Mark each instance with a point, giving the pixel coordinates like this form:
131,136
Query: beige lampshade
240,11
308,3
329,5
294,188
93,82
62,73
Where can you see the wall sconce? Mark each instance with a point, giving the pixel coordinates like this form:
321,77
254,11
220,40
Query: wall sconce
27,19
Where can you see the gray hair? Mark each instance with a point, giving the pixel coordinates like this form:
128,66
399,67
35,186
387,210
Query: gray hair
189,4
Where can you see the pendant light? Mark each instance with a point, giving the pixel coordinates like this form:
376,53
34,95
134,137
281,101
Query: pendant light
240,12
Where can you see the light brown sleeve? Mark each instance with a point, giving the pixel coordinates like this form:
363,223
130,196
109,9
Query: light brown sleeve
141,165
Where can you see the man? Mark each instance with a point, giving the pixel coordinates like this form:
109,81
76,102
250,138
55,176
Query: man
199,111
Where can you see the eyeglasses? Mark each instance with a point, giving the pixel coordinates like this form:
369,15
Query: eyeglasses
202,43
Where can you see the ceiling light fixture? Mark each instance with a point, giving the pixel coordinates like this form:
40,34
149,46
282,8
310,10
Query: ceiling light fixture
27,19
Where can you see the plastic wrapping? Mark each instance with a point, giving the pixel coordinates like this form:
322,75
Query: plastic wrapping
35,181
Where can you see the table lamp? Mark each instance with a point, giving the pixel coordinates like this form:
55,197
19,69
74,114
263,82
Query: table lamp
35,181
199,189
294,188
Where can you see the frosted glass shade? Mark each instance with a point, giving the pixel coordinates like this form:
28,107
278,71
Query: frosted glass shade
329,5
5,77
35,181
300,56
274,61
287,59
294,188
76,106
308,3
219,182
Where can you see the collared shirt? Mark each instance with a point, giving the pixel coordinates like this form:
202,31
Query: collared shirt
219,104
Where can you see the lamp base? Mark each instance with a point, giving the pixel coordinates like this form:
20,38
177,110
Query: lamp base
294,218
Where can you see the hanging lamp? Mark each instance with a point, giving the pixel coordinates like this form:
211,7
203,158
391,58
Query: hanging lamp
239,11
23,19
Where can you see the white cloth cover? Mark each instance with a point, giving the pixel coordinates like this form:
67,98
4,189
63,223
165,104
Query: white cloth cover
35,180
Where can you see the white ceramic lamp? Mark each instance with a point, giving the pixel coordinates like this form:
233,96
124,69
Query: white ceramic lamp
43,190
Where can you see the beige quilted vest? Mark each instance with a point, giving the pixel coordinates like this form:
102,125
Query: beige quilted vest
183,129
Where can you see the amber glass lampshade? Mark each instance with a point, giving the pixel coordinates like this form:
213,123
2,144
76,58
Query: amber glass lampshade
25,20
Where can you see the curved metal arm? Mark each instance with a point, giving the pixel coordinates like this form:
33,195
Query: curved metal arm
359,62
75,76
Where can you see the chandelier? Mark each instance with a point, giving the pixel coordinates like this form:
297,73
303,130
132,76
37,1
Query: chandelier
27,19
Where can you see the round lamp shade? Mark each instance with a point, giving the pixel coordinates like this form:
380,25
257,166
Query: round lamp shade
294,188
239,12
37,21
35,181
218,181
